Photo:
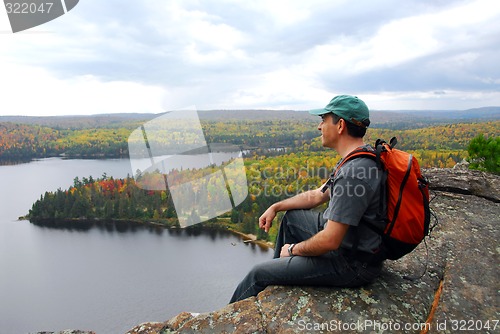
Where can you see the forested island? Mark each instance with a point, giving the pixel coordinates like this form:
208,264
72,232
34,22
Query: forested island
108,200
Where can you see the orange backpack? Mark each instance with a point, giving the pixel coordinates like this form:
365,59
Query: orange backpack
406,193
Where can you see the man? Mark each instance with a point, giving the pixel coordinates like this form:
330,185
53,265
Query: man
337,247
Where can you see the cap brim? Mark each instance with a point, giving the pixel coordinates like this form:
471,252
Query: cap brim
318,112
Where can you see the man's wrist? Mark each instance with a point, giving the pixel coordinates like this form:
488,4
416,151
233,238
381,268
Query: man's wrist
290,250
276,207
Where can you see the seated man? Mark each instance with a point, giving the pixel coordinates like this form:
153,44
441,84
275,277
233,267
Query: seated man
336,247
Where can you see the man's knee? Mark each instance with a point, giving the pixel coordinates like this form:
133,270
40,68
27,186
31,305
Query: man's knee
266,272
258,271
293,216
304,219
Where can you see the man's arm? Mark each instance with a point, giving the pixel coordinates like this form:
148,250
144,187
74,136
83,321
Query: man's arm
326,240
305,200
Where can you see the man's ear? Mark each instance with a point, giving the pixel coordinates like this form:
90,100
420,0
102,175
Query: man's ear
342,125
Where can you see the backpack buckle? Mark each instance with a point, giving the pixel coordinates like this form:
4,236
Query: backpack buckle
327,184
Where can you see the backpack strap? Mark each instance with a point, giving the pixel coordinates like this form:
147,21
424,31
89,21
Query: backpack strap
374,154
359,152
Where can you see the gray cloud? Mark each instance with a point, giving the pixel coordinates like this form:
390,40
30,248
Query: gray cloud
226,50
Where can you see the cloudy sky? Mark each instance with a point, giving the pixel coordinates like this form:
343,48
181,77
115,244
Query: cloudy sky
155,55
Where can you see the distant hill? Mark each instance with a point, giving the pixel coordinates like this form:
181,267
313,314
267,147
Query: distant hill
377,116
81,121
394,119
255,115
489,113
407,119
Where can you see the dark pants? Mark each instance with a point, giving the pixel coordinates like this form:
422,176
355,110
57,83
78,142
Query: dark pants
330,269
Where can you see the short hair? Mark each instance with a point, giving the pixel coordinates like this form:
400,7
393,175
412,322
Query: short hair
352,129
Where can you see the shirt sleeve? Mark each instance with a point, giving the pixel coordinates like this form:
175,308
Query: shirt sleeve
349,199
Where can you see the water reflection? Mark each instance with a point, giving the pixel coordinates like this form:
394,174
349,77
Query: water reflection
214,233
14,162
73,225
109,226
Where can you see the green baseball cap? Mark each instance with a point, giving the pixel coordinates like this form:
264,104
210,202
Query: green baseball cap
350,108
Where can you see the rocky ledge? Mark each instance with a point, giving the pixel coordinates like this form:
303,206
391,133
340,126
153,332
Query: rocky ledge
68,331
447,285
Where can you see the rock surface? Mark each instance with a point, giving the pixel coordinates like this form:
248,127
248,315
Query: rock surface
464,181
68,331
459,290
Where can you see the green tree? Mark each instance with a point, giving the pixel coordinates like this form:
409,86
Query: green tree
248,224
109,209
235,216
484,153
81,207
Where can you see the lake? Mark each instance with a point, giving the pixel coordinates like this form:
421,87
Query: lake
104,279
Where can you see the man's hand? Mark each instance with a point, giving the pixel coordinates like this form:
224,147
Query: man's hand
284,251
266,220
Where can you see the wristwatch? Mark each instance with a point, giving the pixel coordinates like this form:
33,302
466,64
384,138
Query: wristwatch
290,250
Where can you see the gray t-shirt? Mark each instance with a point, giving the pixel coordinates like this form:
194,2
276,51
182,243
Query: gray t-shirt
354,198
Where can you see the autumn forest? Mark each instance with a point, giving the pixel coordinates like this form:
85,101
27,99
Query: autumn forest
283,156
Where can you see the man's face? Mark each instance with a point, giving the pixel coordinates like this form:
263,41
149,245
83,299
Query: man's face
328,130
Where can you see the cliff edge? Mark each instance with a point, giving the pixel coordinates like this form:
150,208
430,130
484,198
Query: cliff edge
458,291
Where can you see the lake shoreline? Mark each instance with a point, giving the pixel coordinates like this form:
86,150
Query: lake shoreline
251,238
